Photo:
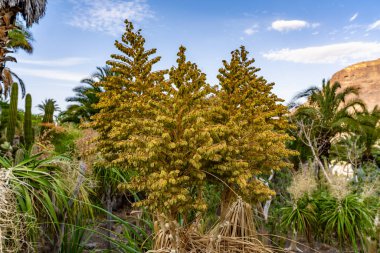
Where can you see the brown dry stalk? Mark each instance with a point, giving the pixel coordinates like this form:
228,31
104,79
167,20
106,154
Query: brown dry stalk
235,233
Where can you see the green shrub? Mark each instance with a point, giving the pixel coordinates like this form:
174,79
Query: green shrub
350,219
300,217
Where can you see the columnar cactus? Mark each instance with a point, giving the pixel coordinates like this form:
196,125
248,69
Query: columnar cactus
28,130
11,127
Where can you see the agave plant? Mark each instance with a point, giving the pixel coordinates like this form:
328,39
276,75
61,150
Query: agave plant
39,192
49,193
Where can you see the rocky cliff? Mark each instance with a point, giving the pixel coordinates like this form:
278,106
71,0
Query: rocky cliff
366,76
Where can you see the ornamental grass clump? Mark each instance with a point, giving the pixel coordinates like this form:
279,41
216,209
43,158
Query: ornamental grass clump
304,183
339,187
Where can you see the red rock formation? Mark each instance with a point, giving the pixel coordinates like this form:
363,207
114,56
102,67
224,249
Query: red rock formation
366,76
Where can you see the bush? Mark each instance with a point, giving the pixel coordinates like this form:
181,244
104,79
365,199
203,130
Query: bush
350,219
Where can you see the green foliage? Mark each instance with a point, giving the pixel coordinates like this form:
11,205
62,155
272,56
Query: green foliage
138,235
20,38
327,112
348,148
86,96
11,126
110,177
300,217
63,138
368,133
28,129
48,107
39,190
350,218
74,240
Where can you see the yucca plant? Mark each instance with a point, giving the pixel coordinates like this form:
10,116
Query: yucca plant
350,219
49,193
300,217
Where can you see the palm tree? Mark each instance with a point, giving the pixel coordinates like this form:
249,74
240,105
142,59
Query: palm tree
20,38
48,103
328,112
31,11
369,132
48,107
85,97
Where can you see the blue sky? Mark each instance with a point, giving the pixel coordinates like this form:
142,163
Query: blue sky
296,43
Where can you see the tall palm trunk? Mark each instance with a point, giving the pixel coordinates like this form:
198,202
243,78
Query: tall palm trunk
7,23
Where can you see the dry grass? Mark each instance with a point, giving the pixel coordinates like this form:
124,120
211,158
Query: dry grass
339,187
235,233
304,183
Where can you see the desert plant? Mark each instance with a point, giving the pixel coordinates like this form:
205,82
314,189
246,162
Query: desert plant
28,129
11,126
248,135
38,190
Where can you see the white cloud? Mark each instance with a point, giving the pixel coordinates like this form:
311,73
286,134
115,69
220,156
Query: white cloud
62,62
50,74
374,25
354,17
107,15
289,25
327,54
251,30
315,25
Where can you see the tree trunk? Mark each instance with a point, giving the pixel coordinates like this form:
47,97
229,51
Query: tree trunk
7,23
293,244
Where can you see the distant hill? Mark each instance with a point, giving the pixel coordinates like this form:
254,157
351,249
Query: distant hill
366,76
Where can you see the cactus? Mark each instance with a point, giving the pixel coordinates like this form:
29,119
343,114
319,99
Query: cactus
11,127
28,130
19,156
